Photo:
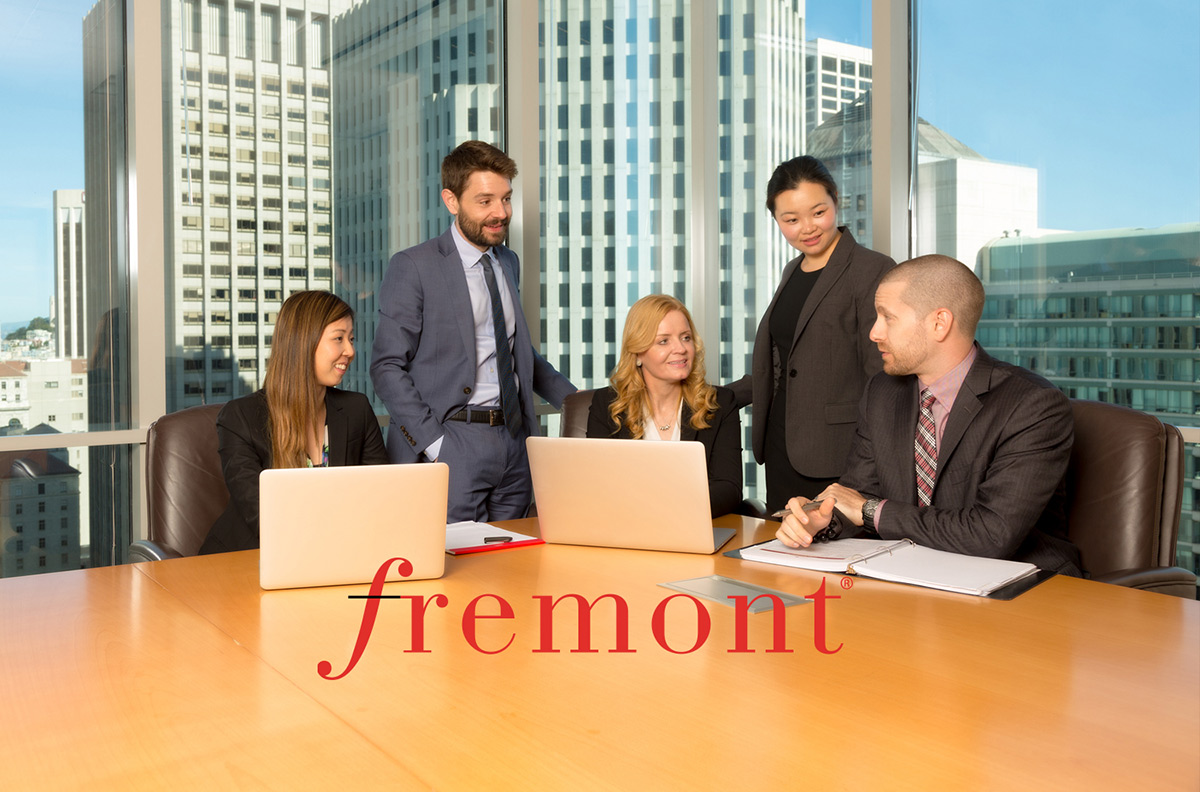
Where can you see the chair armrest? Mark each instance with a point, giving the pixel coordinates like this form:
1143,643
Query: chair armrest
146,550
1176,581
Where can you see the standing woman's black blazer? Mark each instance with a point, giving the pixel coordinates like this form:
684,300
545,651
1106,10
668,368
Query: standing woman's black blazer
831,359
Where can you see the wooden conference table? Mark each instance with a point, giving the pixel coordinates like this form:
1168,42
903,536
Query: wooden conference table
184,674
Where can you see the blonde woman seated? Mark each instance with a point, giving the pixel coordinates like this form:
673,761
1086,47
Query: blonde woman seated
299,418
658,392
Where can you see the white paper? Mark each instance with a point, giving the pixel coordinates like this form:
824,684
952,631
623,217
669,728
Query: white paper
468,533
924,566
820,556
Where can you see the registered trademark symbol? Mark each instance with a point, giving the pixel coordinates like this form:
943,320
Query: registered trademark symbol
847,583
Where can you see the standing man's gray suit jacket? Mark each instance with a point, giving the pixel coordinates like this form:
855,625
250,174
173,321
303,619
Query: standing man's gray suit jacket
423,360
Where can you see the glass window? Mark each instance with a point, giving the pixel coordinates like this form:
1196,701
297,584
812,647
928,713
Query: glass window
1079,242
633,240
243,32
375,111
268,43
752,252
392,116
66,369
217,27
295,38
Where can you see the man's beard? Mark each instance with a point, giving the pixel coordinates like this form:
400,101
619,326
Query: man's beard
477,234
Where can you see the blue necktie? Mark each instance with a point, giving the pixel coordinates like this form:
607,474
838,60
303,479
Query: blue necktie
509,401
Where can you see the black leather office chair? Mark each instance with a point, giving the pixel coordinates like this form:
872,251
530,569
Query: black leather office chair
185,488
575,411
1124,493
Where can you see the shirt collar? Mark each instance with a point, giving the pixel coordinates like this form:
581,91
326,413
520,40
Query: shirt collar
467,253
946,387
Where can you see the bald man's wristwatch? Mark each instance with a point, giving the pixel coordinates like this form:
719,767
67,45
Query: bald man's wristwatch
868,511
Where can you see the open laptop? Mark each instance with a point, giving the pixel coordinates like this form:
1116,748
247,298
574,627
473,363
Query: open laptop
623,493
334,526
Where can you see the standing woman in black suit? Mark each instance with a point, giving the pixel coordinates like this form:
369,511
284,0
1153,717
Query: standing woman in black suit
659,392
818,323
299,418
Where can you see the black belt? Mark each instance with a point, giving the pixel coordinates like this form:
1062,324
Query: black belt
491,417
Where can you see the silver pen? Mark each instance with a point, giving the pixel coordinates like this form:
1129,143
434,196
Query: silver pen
810,506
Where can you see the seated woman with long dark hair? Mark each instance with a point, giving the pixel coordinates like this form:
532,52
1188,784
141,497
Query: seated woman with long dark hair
659,392
299,418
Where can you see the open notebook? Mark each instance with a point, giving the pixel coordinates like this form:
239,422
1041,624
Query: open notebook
623,493
899,561
333,526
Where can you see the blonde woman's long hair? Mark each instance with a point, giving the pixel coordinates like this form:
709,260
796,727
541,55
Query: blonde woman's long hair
632,401
294,397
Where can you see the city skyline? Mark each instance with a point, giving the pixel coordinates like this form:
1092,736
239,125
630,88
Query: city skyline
1075,117
261,100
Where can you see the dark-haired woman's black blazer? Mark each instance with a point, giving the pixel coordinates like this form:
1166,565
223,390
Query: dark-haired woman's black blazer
245,445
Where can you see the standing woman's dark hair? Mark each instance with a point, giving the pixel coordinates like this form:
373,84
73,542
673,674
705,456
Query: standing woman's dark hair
788,175
294,396
812,353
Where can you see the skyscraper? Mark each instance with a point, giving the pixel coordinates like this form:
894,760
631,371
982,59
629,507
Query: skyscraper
617,169
249,184
1109,316
963,199
410,86
70,274
836,74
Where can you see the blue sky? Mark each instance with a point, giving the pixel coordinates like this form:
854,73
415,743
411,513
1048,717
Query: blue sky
41,131
1102,98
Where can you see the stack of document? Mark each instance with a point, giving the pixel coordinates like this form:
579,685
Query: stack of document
897,561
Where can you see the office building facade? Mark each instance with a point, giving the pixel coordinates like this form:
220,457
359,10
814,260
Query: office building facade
836,74
70,274
44,397
1110,316
39,513
617,143
249,179
410,85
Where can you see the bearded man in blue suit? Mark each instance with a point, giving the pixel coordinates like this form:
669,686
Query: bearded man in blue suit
452,392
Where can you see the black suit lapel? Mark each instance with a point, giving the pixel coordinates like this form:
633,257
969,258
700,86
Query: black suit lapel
686,432
830,274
